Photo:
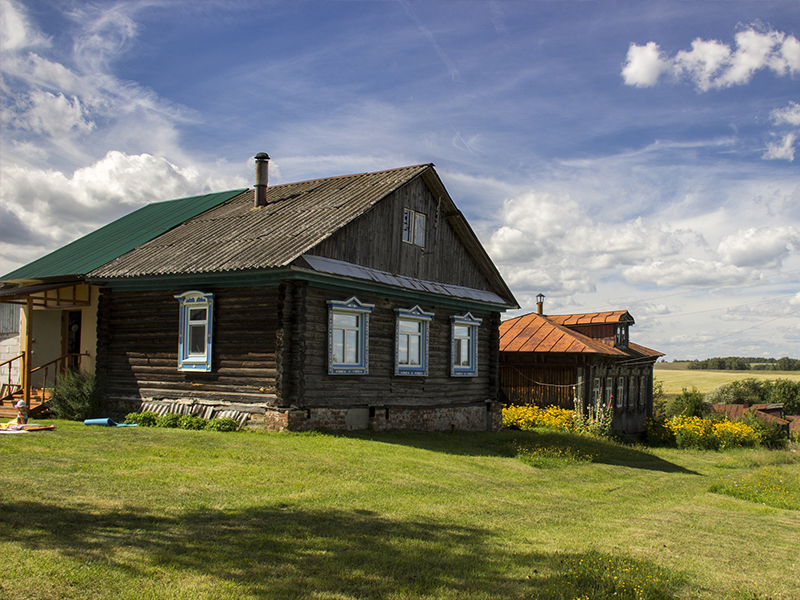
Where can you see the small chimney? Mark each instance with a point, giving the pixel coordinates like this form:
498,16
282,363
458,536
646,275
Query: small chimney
262,176
539,304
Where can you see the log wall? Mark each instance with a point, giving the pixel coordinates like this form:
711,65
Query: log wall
138,347
380,387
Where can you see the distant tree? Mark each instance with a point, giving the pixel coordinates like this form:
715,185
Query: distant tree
748,390
787,364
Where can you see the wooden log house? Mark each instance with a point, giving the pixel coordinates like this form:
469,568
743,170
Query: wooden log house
554,360
345,302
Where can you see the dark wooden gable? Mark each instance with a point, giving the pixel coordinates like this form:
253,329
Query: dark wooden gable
374,240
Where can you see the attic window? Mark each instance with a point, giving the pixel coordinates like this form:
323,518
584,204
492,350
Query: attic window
413,227
621,336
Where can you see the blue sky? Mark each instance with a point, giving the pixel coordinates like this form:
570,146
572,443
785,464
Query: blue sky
610,155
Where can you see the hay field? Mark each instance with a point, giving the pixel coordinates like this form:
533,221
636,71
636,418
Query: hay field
677,376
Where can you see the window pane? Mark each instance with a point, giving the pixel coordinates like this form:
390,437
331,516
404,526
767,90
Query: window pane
351,347
460,331
402,349
463,356
197,340
338,345
345,320
414,350
410,326
197,314
419,229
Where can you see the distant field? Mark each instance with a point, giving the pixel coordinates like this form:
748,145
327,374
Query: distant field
677,376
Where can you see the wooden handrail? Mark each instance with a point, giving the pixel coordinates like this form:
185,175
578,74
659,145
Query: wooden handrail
9,386
46,368
10,360
56,360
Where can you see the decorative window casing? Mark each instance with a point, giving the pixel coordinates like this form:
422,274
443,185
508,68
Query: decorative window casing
634,390
195,332
464,345
414,227
609,399
348,337
643,395
411,341
597,391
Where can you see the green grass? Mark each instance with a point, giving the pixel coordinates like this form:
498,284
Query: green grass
96,513
676,377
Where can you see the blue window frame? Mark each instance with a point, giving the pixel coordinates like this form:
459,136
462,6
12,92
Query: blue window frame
464,345
411,341
348,337
195,332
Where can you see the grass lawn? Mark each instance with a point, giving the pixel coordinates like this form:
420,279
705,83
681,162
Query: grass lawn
676,377
91,512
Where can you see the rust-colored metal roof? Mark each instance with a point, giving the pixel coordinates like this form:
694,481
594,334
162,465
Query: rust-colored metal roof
540,333
597,318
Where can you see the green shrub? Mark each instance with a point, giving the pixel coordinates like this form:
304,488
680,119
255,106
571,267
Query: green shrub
76,396
170,420
769,433
223,424
689,403
786,392
144,419
191,422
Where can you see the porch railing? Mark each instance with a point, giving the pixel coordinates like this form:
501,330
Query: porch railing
60,365
7,390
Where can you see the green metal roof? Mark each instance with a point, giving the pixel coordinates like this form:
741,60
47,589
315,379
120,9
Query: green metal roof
118,237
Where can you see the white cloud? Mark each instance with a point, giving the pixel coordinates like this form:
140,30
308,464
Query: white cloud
16,32
61,208
711,64
644,65
687,272
763,247
53,114
787,116
782,150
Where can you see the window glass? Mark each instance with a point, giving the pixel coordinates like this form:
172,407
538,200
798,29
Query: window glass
419,229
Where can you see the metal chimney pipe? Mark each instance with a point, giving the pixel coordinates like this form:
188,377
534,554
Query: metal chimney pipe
539,304
262,177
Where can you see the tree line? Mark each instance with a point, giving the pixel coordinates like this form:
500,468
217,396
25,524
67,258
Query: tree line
744,363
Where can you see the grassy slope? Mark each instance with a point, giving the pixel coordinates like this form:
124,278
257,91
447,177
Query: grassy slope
153,513
676,377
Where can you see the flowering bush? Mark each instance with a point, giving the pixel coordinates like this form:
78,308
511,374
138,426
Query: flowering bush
734,434
596,421
703,434
529,416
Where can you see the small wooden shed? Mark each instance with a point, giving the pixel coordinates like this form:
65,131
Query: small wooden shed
346,302
552,360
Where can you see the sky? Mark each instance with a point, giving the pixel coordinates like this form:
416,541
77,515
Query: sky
628,155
